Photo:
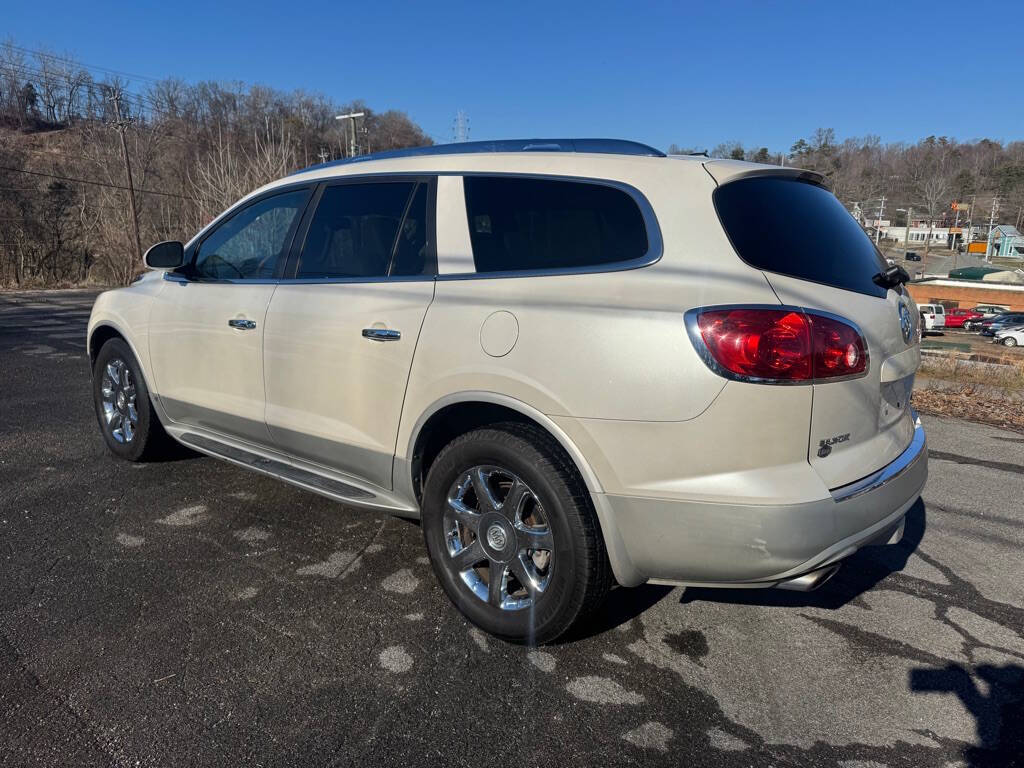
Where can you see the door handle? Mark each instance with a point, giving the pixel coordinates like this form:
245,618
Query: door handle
242,324
381,334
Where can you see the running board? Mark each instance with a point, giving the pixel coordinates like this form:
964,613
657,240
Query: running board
326,486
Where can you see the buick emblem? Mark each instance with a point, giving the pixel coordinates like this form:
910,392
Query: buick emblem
496,537
906,323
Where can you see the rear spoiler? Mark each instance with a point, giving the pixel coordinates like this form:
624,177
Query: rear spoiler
724,171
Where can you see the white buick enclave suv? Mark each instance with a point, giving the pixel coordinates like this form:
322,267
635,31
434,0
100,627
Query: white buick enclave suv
574,360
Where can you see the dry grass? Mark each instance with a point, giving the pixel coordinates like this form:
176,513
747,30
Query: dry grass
1000,369
966,402
989,390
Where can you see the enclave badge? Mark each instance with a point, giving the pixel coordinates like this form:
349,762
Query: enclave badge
825,446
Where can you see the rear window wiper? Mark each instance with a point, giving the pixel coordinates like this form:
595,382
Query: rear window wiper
892,277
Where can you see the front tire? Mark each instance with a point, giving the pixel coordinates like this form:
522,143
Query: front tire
128,422
1009,341
512,534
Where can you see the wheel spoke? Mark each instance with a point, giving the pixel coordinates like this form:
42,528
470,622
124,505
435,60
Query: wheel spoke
526,575
112,371
495,583
535,538
513,504
469,556
128,429
484,497
468,517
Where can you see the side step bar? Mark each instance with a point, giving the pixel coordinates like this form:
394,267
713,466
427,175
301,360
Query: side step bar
335,489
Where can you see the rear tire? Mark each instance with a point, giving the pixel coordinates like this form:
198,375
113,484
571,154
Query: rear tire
128,422
512,533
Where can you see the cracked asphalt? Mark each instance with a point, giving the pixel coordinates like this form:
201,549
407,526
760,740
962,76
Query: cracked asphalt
192,613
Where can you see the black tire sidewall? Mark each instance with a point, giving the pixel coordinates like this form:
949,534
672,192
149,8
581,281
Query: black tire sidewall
548,616
132,451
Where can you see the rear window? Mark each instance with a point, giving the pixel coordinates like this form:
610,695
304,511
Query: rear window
799,229
518,224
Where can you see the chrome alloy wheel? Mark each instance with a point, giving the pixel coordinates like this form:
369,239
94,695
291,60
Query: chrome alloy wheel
498,537
118,392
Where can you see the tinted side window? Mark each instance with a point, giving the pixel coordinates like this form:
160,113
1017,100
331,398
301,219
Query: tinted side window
798,229
358,228
414,253
528,224
250,243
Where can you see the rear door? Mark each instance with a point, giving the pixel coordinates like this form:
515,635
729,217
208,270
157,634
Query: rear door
341,331
816,256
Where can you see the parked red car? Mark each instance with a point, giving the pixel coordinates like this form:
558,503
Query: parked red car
955,318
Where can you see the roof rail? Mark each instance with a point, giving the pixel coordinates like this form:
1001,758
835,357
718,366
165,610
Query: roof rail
599,146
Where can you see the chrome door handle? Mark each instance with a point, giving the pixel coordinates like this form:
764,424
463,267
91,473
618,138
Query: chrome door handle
381,334
242,324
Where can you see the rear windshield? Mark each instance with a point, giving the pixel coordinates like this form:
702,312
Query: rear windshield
799,229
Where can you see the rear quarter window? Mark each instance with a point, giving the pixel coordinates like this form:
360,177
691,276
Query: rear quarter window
527,224
797,228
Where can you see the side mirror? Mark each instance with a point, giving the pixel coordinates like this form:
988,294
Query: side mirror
167,255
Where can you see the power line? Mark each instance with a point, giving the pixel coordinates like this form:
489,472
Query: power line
79,64
144,102
96,183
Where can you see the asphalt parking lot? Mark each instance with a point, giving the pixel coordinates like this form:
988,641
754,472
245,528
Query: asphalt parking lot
191,613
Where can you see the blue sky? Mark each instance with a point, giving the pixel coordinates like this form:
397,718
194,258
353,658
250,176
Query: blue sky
697,74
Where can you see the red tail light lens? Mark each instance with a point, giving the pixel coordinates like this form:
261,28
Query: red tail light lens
838,349
781,345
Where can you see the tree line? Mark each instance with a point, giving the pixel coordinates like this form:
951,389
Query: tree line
926,177
65,213
194,149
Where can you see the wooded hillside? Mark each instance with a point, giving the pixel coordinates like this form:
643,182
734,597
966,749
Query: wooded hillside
193,148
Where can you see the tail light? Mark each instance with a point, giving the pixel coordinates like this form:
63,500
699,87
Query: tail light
777,345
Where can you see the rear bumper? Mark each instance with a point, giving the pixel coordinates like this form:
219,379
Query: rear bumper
763,545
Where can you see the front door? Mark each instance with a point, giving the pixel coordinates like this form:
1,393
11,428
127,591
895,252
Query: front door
340,334
207,323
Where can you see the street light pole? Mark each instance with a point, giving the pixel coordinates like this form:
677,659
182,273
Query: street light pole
352,142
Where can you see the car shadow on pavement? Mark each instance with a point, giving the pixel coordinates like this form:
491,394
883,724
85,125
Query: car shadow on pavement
621,605
998,714
860,573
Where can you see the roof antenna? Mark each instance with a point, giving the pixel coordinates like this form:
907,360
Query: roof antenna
702,153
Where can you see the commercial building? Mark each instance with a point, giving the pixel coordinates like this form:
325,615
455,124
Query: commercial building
967,293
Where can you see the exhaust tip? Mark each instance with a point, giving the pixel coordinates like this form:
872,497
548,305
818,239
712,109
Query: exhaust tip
810,581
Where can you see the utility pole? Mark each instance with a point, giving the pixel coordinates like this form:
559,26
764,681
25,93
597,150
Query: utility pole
121,126
991,226
906,232
878,221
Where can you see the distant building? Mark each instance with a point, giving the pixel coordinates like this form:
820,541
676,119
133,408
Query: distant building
918,235
967,293
1007,242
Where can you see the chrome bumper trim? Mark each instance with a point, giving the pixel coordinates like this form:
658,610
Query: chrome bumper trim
887,473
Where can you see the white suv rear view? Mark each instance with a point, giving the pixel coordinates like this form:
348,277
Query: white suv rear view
933,316
573,359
